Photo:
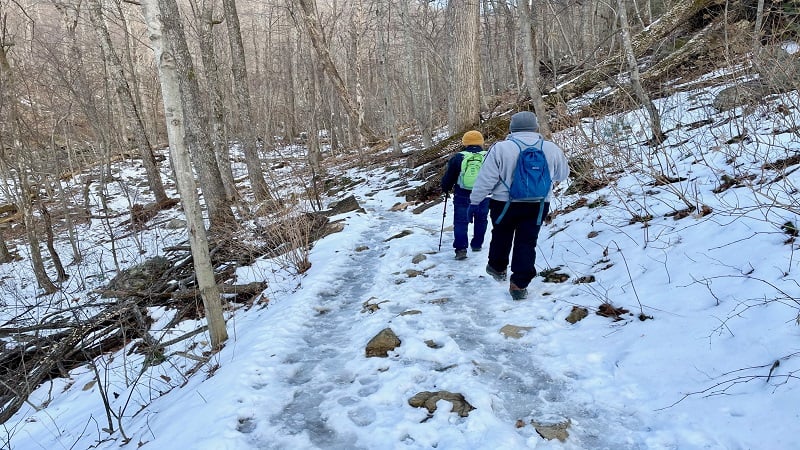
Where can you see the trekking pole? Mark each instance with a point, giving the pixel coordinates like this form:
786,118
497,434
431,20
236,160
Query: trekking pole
444,214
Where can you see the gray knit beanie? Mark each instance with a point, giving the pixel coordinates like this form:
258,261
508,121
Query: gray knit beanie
524,121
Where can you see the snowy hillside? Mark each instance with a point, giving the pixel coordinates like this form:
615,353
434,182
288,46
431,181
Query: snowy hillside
689,249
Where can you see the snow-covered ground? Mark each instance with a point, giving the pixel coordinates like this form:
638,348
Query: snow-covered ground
712,366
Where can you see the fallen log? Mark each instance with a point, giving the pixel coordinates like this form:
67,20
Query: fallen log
35,366
681,13
253,288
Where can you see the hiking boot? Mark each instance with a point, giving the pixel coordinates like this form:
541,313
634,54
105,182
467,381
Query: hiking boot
517,293
461,254
499,276
476,249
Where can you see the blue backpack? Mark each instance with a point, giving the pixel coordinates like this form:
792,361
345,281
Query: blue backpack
532,181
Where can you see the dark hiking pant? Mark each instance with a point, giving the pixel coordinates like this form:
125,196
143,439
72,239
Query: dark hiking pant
462,216
518,229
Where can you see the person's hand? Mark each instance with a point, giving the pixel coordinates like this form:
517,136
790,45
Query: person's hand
445,195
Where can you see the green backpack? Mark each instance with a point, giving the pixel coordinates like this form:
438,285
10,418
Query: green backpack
470,166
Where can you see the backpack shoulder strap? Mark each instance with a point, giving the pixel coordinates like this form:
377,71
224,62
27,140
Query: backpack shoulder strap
522,145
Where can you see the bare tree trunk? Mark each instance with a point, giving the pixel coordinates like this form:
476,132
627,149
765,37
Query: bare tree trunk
420,104
130,66
313,145
464,104
79,85
77,257
127,102
61,274
219,137
490,38
644,100
5,255
24,205
383,56
170,89
290,124
23,201
757,32
530,63
314,29
509,50
242,94
195,118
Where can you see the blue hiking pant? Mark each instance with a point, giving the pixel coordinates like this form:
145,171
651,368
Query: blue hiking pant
463,215
518,229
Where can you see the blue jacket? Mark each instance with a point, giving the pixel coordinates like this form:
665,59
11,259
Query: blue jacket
450,178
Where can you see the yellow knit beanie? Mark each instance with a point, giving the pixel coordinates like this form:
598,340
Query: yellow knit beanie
472,138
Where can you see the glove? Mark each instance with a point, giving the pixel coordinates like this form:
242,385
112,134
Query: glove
445,195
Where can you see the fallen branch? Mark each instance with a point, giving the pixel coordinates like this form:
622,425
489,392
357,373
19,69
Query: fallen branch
253,288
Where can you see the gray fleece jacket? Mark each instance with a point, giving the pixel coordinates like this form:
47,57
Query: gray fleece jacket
501,161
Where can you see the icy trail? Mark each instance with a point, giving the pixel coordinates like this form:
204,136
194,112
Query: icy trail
326,394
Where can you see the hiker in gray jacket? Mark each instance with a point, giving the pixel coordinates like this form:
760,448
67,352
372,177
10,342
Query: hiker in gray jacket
520,222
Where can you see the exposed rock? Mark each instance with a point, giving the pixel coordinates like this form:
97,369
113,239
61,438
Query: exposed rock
344,206
552,431
175,224
418,258
738,95
414,273
577,314
428,401
433,344
399,235
411,312
382,344
362,248
514,331
400,206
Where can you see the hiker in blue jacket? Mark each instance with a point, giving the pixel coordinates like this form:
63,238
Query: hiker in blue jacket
521,221
462,170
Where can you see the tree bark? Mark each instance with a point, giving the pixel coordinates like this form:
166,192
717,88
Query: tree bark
195,118
127,102
381,29
633,66
170,89
219,138
61,274
757,33
420,104
242,93
23,203
530,63
464,105
5,255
